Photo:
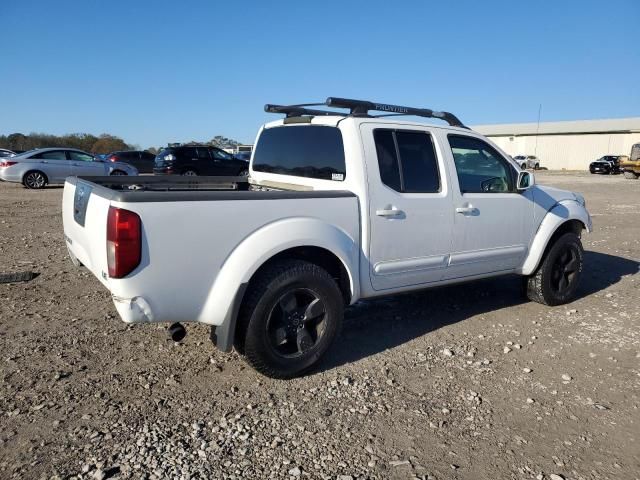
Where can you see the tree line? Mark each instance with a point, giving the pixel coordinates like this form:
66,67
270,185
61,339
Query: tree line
104,143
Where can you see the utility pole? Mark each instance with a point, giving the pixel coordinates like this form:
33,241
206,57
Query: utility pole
535,149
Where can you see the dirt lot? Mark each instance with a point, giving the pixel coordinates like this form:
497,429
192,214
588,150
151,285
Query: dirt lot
464,382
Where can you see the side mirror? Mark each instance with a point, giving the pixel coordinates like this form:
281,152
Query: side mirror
526,180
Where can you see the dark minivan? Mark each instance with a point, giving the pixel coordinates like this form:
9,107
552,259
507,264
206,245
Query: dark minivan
198,160
143,161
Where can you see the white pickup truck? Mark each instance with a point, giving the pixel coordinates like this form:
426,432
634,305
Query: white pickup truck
338,207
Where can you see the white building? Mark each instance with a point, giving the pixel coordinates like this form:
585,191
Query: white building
566,145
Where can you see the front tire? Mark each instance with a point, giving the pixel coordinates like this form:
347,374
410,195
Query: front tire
34,180
290,317
117,173
190,173
556,280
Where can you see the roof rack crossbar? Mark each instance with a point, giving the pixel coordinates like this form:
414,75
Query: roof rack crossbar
361,108
296,110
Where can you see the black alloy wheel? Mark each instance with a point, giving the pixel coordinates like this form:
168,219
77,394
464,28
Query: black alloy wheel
556,279
296,323
564,270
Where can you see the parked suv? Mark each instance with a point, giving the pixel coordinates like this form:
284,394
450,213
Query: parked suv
198,160
143,161
609,165
527,161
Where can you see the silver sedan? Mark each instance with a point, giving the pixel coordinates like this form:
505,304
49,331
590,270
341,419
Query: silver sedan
37,168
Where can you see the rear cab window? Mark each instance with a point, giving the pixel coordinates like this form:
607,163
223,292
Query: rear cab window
312,151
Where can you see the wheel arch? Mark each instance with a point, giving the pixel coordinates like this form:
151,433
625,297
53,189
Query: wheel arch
32,170
563,218
309,239
319,256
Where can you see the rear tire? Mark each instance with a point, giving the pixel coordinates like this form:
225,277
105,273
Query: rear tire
557,278
34,180
117,173
289,318
630,175
536,166
189,173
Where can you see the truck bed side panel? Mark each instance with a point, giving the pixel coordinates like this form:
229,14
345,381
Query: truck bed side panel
185,244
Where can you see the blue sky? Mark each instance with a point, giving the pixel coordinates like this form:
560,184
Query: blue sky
159,71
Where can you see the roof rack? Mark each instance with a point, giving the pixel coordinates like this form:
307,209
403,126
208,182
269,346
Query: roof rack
360,108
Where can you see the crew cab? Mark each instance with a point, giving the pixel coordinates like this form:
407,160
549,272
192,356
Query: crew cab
337,207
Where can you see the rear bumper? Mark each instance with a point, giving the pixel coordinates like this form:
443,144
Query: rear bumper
133,310
138,310
9,177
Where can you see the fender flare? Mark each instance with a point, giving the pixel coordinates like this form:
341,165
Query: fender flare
561,213
262,245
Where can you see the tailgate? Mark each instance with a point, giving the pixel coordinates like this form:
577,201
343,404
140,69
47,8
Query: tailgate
84,216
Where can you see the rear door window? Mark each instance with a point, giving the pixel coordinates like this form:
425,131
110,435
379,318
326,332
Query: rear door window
407,160
203,153
311,151
51,155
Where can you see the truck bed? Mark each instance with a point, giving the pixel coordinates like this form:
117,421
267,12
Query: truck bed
193,228
178,188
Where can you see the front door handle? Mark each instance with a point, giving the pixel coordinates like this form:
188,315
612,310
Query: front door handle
467,210
389,211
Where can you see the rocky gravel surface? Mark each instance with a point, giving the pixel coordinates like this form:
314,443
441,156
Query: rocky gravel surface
462,382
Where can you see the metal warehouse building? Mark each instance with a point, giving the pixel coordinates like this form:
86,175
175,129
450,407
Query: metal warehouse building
566,145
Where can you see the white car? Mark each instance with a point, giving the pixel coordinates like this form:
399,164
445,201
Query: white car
42,166
341,207
527,161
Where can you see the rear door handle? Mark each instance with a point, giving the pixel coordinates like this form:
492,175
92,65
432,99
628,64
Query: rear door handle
467,210
389,212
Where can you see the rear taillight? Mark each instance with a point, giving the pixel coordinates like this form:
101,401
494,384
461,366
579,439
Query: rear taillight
6,163
124,242
113,158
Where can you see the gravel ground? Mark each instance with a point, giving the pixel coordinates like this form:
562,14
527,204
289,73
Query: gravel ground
463,382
